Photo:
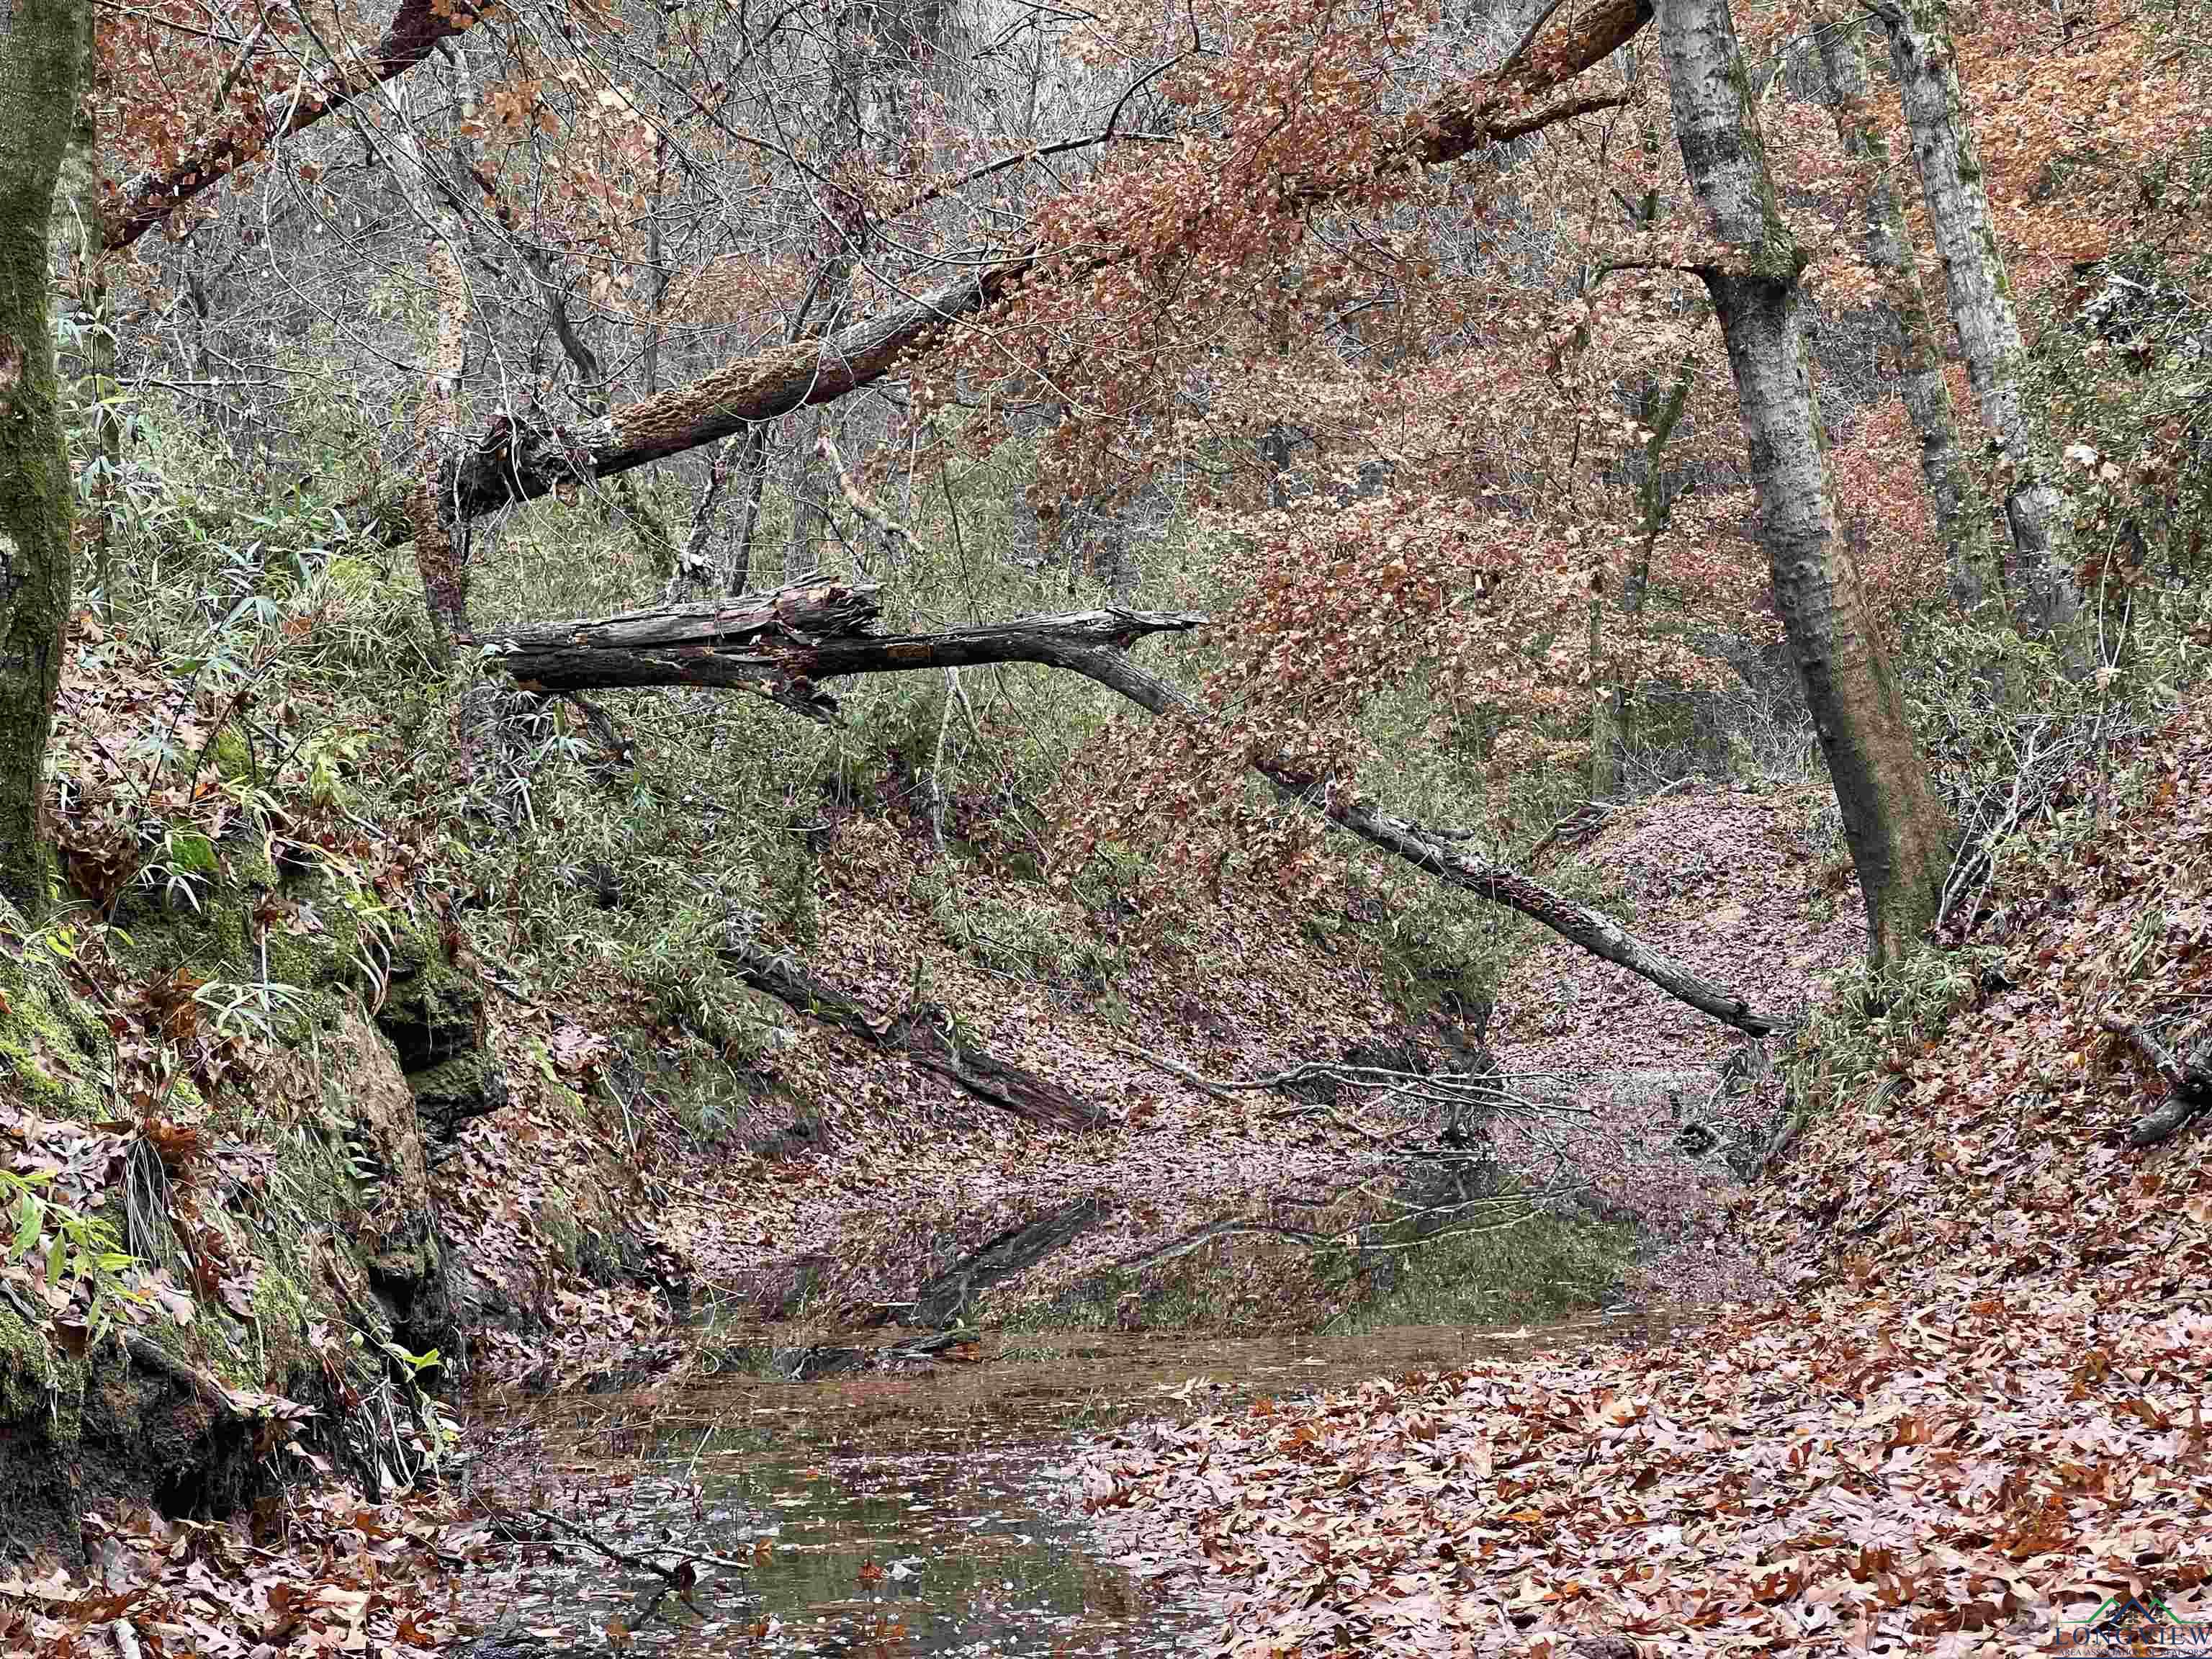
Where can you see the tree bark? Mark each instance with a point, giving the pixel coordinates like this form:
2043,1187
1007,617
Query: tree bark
42,55
2045,595
415,30
1900,834
440,539
1962,515
513,462
782,645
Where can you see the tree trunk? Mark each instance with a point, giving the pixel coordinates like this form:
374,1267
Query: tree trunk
1962,516
81,258
781,644
2045,595
441,537
515,463
1898,831
42,54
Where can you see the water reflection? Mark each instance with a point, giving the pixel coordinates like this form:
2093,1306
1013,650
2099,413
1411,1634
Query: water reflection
931,1513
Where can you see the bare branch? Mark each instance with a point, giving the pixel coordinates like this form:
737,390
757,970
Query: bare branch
782,645
415,31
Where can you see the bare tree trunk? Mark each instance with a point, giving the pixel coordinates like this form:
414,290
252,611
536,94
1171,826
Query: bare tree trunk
2045,595
1962,516
1898,833
42,55
782,645
441,535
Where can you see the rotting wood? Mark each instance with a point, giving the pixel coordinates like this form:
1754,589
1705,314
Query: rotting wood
781,644
2188,1082
924,1034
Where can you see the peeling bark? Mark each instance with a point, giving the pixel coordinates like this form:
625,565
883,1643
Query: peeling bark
42,55
2045,595
782,645
1962,515
1898,833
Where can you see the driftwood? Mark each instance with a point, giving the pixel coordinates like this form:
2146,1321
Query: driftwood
925,1035
2188,1083
783,644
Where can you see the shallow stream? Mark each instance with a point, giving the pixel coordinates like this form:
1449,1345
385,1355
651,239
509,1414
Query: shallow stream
919,1514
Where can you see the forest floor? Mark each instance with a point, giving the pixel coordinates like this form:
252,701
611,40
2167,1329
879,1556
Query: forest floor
1944,1396
1971,1422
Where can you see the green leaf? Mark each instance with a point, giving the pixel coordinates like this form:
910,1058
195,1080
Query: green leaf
30,1220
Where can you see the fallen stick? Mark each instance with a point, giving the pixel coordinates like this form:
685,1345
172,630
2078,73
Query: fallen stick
2188,1083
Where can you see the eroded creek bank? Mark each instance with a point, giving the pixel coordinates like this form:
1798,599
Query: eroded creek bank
931,1513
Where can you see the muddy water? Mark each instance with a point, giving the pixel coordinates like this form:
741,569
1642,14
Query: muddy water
934,1513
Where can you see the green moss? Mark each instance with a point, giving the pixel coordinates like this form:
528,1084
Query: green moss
38,1380
556,1225
233,756
192,853
456,1084
49,1041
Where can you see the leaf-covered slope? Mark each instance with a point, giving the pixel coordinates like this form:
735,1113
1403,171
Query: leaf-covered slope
1976,1419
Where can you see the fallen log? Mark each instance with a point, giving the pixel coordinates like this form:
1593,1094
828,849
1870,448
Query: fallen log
924,1034
783,644
518,460
2188,1083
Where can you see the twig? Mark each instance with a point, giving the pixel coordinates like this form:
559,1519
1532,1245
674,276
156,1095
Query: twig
672,1577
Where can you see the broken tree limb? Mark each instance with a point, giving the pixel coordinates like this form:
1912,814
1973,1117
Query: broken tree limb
516,460
415,32
783,644
924,1034
781,641
2188,1083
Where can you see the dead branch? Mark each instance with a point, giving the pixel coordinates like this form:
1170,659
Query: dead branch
782,644
2188,1082
894,533
518,461
1454,1097
924,1034
415,32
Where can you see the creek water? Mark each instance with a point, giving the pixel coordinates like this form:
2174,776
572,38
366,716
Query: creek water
935,1513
